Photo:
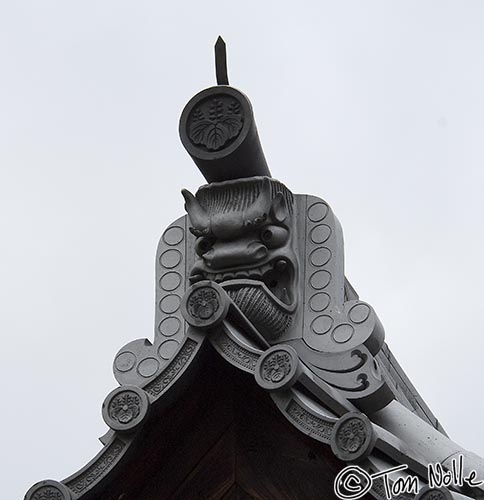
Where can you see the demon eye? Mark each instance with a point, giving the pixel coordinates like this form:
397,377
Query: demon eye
203,245
274,236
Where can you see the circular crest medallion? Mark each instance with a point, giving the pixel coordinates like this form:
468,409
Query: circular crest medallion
204,304
125,408
278,368
353,437
48,490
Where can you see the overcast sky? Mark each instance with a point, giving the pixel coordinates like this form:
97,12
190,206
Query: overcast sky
376,106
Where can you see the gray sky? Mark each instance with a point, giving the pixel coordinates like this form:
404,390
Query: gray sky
375,106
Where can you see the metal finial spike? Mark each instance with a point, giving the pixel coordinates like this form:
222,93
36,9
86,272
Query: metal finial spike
221,62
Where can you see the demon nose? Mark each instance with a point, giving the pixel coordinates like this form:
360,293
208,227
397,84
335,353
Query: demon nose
235,254
257,251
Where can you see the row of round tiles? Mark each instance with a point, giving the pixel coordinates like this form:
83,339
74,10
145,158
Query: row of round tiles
357,314
320,279
342,333
147,367
171,258
319,234
322,324
171,281
318,258
170,325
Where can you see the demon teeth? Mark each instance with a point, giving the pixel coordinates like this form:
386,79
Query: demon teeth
255,274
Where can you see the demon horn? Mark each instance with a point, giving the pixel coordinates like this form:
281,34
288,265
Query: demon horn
262,204
198,217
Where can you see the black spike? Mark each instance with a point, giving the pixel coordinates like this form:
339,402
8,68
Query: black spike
221,62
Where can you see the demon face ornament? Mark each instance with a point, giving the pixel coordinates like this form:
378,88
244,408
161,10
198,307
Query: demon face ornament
243,233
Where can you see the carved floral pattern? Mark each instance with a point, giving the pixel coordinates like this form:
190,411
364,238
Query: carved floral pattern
310,422
203,303
125,407
276,367
97,470
351,435
237,353
214,127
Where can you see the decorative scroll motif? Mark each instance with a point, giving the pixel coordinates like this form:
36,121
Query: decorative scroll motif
238,354
276,367
214,123
48,493
351,436
99,469
310,422
125,407
203,303
156,387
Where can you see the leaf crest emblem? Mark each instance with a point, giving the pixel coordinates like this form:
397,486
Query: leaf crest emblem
213,129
